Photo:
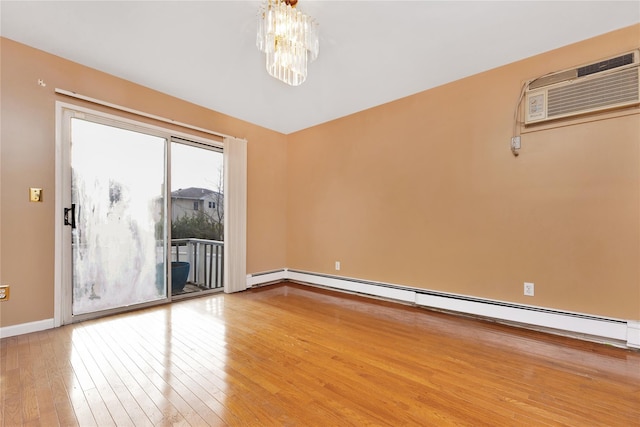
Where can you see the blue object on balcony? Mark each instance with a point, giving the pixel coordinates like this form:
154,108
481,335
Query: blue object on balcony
179,275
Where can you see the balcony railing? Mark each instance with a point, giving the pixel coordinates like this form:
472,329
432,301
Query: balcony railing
206,258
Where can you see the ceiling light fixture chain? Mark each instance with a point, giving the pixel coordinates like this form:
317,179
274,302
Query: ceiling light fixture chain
289,39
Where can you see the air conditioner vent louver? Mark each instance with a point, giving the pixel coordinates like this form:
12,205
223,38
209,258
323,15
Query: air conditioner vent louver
609,64
604,85
611,89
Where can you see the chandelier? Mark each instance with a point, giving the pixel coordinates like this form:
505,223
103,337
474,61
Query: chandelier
289,38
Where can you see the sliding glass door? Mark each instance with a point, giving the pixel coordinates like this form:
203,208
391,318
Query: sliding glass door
117,216
116,182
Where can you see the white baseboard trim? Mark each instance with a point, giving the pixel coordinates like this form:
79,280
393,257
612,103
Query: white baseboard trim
585,326
26,328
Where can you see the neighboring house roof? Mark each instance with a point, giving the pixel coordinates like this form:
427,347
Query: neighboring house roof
193,193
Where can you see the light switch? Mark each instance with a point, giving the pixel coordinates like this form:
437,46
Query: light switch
35,194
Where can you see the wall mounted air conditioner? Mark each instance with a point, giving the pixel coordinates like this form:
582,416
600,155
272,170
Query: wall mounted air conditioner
603,85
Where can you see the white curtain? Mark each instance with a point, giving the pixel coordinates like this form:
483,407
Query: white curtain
235,218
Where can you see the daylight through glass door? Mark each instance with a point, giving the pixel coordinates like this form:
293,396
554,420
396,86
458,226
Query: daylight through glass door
119,240
197,218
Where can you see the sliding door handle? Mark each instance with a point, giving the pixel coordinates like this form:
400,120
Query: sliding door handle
70,221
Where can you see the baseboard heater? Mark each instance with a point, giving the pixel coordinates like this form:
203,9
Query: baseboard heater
594,328
266,277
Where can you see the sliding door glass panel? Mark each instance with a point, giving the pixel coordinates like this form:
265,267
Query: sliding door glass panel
197,218
119,243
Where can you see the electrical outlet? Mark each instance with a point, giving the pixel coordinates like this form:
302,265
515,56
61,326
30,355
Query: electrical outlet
4,292
337,265
529,289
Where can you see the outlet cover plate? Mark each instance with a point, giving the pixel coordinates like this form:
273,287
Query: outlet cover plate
4,293
35,194
529,289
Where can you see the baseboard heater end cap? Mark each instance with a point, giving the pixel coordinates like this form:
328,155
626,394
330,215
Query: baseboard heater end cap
633,333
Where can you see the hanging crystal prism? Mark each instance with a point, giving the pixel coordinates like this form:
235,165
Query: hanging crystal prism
289,39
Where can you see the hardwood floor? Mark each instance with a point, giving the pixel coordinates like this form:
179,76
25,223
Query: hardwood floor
290,355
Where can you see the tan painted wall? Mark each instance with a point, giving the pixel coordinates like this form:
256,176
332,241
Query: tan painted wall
28,160
421,192
425,192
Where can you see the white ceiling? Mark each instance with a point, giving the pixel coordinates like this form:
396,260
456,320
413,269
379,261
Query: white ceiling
371,52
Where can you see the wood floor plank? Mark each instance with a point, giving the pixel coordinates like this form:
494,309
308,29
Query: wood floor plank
44,398
122,405
81,407
111,408
126,353
170,386
52,392
11,403
291,355
128,389
61,400
10,356
28,396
